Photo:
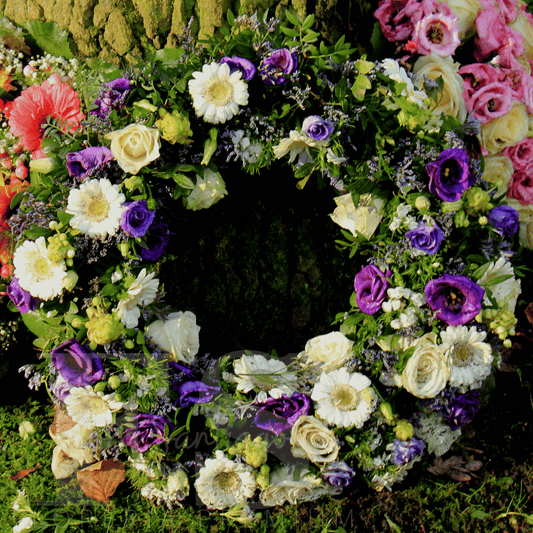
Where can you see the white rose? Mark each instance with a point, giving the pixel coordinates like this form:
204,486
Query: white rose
134,146
208,191
311,439
428,369
73,443
467,12
498,171
523,26
331,350
364,219
505,131
452,101
178,335
506,292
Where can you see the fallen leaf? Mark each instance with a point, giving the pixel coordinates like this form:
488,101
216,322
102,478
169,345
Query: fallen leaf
24,472
62,421
100,480
459,476
529,312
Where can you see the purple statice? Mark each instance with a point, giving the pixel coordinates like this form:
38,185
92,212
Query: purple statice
136,218
156,241
456,299
276,66
280,414
149,430
317,128
338,474
371,286
77,363
462,409
193,392
504,219
449,174
406,451
88,161
426,238
21,298
242,65
112,96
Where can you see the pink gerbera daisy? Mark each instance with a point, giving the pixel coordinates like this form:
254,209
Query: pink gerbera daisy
30,110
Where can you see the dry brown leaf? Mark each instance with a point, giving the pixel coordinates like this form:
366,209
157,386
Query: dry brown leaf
100,480
62,421
459,476
473,466
24,472
529,312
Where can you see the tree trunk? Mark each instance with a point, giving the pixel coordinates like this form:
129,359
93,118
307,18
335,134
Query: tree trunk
117,29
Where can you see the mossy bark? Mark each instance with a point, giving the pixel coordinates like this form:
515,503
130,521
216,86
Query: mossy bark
119,30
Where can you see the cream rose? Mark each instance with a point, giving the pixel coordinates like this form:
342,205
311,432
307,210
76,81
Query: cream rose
467,12
63,466
331,350
452,101
523,26
428,369
311,439
498,171
134,146
364,218
178,335
505,131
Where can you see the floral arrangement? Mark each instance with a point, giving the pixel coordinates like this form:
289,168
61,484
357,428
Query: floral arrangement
430,158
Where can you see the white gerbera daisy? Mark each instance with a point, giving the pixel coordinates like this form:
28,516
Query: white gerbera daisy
344,399
295,144
91,409
216,93
269,377
471,358
36,272
96,208
141,292
223,483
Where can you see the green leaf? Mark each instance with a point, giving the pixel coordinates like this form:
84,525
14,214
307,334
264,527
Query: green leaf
49,37
479,514
210,146
40,327
230,17
308,22
64,218
497,279
304,170
183,181
169,57
292,18
360,86
289,31
311,37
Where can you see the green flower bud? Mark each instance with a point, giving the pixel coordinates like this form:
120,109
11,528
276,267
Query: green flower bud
124,247
58,247
452,207
461,219
386,411
151,204
175,128
103,328
77,322
145,104
483,221
476,200
422,203
404,430
114,382
129,344
132,183
71,278
255,452
100,386
263,477
43,166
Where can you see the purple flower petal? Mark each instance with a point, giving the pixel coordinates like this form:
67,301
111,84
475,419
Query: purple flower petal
450,174
195,392
86,162
280,414
371,286
77,363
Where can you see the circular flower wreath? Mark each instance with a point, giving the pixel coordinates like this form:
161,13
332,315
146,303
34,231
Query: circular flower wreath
432,162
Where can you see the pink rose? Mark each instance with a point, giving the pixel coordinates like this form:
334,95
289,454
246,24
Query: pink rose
521,154
438,34
394,17
492,101
521,186
491,32
509,9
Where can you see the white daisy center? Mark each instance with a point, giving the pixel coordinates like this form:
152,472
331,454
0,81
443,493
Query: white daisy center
97,405
97,209
219,93
461,354
344,397
227,481
42,269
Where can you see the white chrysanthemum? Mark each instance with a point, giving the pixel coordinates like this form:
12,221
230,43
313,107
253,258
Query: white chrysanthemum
344,399
141,292
36,272
223,483
216,93
294,144
505,292
471,359
96,208
91,409
269,377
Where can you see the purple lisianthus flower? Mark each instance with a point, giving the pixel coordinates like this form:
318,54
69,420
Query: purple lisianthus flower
86,162
242,65
195,392
450,175
156,241
504,219
338,474
136,218
280,414
149,430
317,128
275,67
371,286
22,299
456,299
77,363
406,450
462,410
426,238
113,96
